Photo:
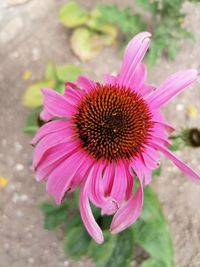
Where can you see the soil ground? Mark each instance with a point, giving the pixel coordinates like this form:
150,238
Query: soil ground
30,34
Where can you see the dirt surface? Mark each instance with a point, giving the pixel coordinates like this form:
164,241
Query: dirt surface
30,34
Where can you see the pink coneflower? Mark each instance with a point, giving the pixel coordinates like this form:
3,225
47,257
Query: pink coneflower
107,136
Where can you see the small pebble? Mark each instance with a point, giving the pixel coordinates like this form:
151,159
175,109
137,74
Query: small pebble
35,54
31,260
14,55
18,147
24,198
29,235
6,246
179,107
15,197
19,214
4,142
19,167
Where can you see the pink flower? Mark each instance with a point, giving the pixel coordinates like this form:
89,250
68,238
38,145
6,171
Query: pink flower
107,136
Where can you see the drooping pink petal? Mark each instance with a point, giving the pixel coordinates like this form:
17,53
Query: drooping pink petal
129,212
86,213
119,186
158,133
139,168
151,158
81,173
174,85
179,163
159,118
56,104
54,155
108,178
48,142
60,179
96,191
45,115
85,83
130,183
50,127
133,56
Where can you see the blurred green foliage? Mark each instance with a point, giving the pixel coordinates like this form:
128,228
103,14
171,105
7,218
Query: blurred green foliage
55,77
88,35
127,22
150,232
166,23
167,20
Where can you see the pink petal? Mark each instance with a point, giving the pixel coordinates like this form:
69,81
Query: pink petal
134,54
159,118
128,213
136,81
179,163
73,95
45,115
158,133
85,83
130,183
110,79
138,166
43,173
49,128
151,158
56,104
175,84
108,178
119,186
49,141
60,179
96,191
86,213
54,155
81,173
146,89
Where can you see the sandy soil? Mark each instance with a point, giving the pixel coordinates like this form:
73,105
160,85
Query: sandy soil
30,34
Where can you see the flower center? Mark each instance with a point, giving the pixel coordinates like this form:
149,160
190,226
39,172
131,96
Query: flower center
112,123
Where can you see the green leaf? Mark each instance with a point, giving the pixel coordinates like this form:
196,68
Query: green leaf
151,230
123,250
102,253
153,263
33,97
157,172
50,71
76,242
177,141
32,122
108,30
54,215
175,146
116,251
60,87
151,6
85,43
72,15
127,22
68,72
30,130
